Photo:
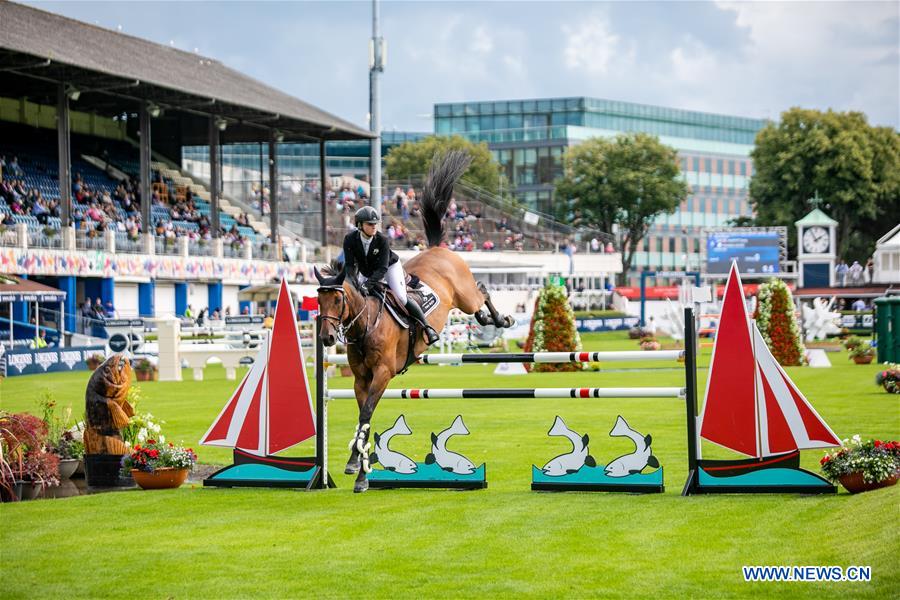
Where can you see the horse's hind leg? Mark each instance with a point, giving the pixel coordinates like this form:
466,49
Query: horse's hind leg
497,320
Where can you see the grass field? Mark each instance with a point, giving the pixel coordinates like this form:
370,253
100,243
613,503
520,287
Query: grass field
503,541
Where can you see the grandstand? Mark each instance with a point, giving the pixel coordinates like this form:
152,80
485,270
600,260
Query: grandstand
92,199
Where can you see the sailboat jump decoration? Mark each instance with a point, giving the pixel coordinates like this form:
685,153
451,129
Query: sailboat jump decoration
270,411
752,407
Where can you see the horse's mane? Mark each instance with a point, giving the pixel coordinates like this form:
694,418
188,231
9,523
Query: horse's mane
444,173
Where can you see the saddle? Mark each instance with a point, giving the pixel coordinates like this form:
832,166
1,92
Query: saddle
419,292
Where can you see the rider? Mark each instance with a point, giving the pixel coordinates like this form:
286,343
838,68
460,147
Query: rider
368,252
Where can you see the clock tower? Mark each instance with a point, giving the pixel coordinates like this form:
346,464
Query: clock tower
817,248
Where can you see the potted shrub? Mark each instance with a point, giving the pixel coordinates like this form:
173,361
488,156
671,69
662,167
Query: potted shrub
29,468
157,465
13,435
145,370
861,466
852,342
862,354
650,343
94,360
889,379
61,441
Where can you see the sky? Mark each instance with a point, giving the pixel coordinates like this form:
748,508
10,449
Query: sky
753,59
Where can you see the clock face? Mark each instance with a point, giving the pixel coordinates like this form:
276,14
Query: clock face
816,240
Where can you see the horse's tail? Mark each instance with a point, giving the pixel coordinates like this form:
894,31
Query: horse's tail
445,171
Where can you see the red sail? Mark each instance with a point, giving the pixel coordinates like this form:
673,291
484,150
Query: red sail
729,408
291,418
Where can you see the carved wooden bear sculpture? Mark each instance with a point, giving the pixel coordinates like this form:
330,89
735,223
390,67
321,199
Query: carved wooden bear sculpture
107,406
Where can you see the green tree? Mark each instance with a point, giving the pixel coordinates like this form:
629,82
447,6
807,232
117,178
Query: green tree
626,181
413,159
854,167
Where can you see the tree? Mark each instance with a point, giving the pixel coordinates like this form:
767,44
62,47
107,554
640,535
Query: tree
413,159
854,167
626,181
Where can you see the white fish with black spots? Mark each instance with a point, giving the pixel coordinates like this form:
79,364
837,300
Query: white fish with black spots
445,459
629,464
571,462
390,459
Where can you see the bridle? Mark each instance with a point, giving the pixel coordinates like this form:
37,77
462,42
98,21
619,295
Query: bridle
342,329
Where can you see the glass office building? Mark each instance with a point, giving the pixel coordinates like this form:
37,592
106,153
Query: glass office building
529,139
300,162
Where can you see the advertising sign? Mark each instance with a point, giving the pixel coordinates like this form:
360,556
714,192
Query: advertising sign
756,252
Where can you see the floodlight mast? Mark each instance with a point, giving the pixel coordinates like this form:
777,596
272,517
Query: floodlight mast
376,67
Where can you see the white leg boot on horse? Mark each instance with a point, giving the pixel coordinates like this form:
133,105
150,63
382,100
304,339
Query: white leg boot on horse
378,349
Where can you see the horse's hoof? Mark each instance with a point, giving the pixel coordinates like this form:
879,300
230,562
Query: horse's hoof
351,469
360,486
510,322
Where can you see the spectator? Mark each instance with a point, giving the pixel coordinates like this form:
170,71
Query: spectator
859,305
870,270
188,312
856,271
40,340
841,272
595,245
99,311
110,310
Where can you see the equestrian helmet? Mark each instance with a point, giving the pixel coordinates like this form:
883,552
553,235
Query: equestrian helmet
367,214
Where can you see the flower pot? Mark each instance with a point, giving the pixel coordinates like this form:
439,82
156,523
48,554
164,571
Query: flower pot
854,482
67,467
12,496
31,490
79,470
102,470
160,479
145,375
863,360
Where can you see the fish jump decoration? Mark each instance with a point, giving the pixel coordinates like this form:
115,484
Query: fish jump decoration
578,470
442,468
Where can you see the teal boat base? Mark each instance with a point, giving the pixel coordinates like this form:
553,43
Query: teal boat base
595,479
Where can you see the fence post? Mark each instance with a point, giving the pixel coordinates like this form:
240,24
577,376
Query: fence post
690,398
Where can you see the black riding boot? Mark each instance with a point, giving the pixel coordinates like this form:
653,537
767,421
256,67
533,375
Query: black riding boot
415,311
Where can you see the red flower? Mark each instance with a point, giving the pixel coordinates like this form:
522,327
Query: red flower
154,453
151,441
825,459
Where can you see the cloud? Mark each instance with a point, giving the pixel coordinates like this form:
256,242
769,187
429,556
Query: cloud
590,46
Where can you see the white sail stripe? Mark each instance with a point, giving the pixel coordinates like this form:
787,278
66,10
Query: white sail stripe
243,406
203,440
770,368
761,409
807,443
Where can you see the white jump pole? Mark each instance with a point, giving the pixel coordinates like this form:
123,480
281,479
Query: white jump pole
636,392
535,357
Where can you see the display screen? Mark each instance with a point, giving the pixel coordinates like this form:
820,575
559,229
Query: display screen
756,252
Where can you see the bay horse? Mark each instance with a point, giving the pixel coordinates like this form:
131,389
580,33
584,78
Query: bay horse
377,347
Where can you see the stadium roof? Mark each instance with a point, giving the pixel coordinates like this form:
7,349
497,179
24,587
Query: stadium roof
16,289
113,72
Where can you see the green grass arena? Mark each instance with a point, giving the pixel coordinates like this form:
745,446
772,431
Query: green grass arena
504,541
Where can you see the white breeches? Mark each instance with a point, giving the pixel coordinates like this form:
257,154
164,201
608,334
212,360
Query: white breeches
396,280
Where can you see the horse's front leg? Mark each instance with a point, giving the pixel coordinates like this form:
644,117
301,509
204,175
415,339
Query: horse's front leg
379,382
361,389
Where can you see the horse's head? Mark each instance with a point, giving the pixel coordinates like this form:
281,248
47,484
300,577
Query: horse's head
333,306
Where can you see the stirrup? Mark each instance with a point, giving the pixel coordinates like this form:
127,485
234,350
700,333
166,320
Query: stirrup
431,335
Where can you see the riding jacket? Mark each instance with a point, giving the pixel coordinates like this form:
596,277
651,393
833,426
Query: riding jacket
372,265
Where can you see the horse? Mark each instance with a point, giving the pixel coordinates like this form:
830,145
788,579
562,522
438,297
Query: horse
377,347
